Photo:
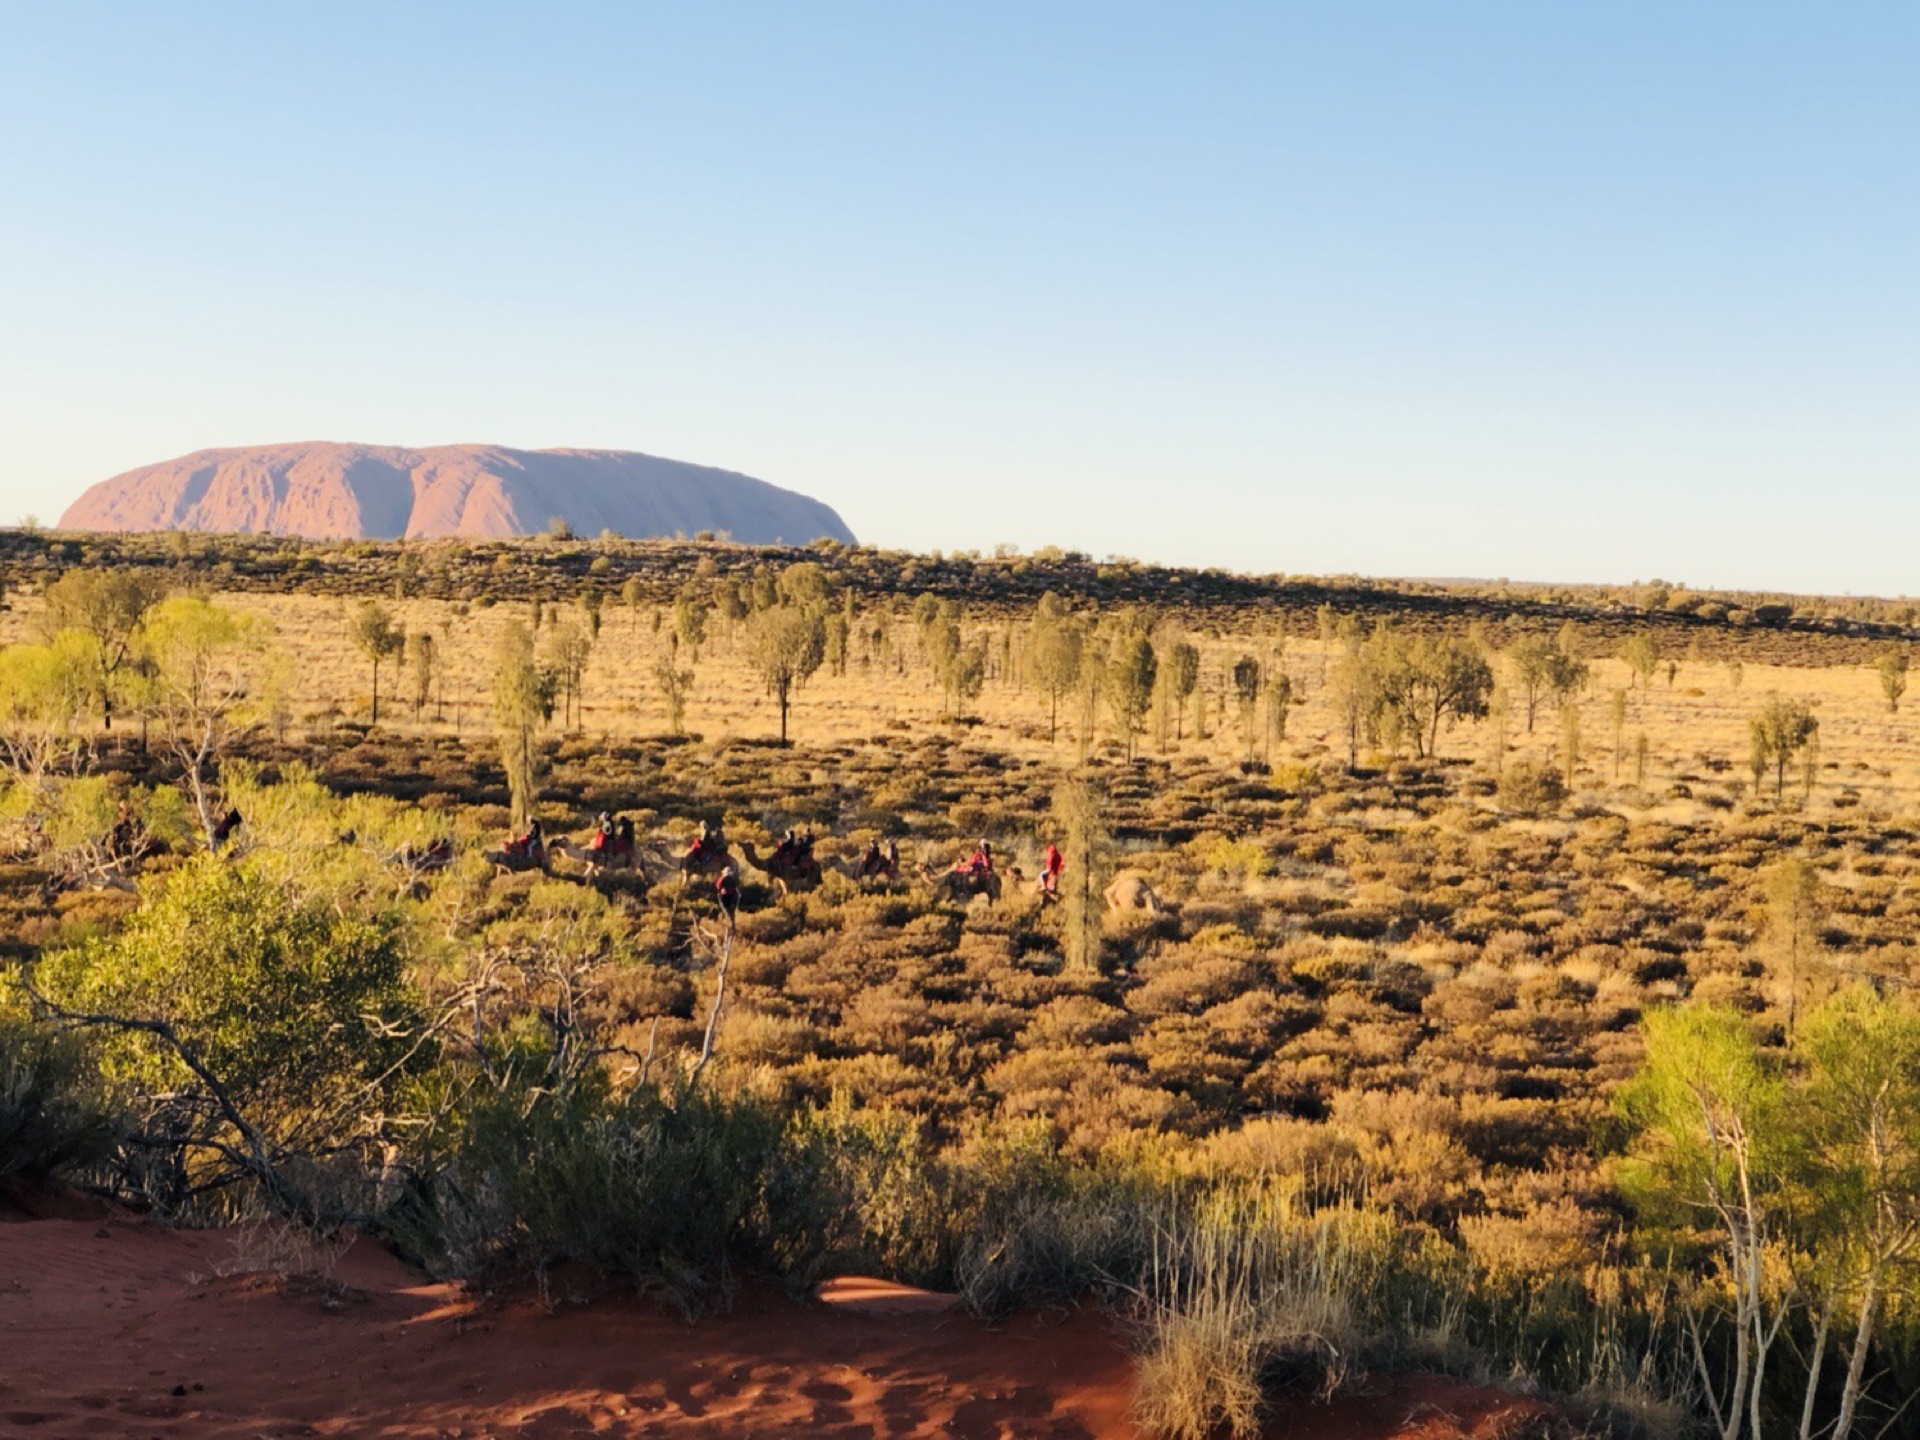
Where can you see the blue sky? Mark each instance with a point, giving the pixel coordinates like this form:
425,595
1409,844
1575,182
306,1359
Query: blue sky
1594,292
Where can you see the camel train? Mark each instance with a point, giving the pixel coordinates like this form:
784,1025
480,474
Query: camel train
614,846
793,866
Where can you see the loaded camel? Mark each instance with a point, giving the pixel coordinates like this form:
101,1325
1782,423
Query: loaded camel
970,877
789,868
416,862
960,886
876,865
707,855
102,862
522,852
795,867
612,846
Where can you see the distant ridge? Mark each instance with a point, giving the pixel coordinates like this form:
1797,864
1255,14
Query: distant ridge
323,490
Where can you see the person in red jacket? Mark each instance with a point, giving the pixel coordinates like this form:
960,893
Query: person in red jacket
1052,866
978,863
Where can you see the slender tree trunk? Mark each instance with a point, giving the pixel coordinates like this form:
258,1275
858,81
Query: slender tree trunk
1814,1366
376,694
1857,1361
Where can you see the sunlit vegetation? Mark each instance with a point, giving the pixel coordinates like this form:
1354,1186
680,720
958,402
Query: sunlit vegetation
1504,981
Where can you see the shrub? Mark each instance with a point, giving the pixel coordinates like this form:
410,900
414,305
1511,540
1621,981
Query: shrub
1246,1290
243,1020
853,1190
1034,1227
51,1118
1531,787
651,1188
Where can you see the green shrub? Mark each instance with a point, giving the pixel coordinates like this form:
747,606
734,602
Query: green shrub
1034,1227
51,1118
653,1188
853,1191
293,1012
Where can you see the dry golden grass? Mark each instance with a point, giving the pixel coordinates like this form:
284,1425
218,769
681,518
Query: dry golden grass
1696,726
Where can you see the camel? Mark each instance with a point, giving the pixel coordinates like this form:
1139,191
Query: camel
882,877
708,859
515,861
790,872
1130,891
425,859
612,856
960,886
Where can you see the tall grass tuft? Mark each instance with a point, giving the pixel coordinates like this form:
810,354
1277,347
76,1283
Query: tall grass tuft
1246,1292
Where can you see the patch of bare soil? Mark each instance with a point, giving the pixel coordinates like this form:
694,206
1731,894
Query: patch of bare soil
117,1327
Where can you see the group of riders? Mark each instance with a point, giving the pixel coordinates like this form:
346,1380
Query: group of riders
979,866
614,842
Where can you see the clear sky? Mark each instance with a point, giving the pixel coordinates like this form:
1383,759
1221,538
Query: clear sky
1547,291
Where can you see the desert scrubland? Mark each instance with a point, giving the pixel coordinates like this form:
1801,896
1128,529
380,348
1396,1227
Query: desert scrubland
1504,982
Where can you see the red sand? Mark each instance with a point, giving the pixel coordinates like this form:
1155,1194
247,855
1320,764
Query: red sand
115,1327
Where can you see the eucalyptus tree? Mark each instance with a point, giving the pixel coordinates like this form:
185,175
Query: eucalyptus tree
788,644
106,609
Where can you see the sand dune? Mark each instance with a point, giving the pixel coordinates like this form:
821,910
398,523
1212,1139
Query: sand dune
116,1327
325,491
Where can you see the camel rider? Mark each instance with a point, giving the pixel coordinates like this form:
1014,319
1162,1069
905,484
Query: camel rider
726,889
125,837
873,862
603,834
893,857
1052,866
224,828
787,849
624,840
702,843
530,846
981,861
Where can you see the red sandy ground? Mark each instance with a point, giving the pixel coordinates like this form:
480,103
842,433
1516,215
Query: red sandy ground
114,1327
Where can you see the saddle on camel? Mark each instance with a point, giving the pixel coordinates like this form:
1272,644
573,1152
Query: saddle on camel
792,865
706,854
613,843
880,865
972,876
978,863
524,852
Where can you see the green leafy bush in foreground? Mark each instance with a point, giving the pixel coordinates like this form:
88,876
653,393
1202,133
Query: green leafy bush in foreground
243,1028
52,1117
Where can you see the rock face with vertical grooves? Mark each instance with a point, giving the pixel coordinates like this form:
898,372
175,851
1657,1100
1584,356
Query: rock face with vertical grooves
323,490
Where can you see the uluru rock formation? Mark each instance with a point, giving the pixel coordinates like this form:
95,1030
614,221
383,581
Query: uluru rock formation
478,492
